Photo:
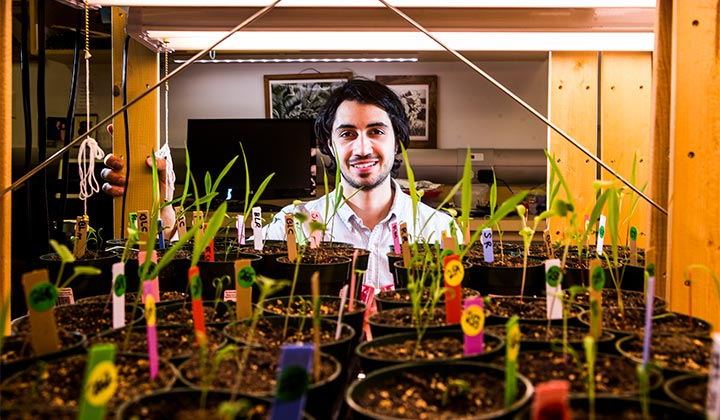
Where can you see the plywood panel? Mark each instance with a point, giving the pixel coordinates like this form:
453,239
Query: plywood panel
573,98
5,155
143,71
694,188
625,120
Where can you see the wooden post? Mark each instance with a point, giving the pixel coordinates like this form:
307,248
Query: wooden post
142,72
5,156
625,102
660,145
573,97
694,181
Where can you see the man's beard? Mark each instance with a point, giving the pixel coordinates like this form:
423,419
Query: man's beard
365,186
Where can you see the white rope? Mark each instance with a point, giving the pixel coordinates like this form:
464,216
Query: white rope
164,152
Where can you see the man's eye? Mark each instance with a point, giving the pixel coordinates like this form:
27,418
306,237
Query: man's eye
347,134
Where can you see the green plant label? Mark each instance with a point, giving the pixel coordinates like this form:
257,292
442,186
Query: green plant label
292,383
101,383
246,277
119,285
553,276
196,287
42,296
633,233
602,231
598,278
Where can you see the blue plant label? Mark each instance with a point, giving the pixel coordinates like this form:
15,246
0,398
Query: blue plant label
292,382
487,244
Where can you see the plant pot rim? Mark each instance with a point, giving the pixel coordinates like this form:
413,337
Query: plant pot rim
358,303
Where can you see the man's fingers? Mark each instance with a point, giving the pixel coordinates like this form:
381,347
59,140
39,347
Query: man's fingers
113,177
113,190
114,162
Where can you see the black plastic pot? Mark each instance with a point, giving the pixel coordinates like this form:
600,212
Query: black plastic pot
677,388
71,343
172,277
695,352
221,274
371,363
701,328
402,274
380,329
374,384
383,303
495,318
606,343
66,318
82,286
332,276
506,281
611,407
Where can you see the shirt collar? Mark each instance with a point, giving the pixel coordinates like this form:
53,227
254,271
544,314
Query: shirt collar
400,206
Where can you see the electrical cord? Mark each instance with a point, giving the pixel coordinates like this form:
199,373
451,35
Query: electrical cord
27,111
126,46
44,221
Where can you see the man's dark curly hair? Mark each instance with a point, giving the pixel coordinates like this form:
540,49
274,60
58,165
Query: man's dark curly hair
369,92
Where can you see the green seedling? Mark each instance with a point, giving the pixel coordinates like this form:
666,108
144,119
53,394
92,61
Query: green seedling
590,356
455,389
66,257
512,349
527,234
209,370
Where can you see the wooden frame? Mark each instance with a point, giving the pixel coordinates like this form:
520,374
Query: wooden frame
419,94
298,96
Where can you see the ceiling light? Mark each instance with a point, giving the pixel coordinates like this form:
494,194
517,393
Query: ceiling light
304,60
376,3
278,41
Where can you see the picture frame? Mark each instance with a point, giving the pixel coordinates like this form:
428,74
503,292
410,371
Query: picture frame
56,129
298,96
419,94
80,126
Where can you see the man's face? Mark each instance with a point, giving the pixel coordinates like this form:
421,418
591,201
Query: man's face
365,144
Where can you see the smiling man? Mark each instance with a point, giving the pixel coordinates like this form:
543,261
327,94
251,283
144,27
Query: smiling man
364,123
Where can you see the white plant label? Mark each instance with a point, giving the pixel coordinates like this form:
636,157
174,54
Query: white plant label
712,405
240,225
601,235
119,286
553,288
257,227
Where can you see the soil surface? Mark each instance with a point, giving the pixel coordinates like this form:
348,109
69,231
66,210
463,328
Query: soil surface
431,348
89,319
630,299
693,392
402,317
541,333
185,407
269,334
321,255
259,377
510,260
675,352
303,306
183,314
633,321
165,298
527,308
403,295
35,386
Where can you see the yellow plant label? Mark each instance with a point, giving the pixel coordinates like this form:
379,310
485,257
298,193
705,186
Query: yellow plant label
473,320
454,273
101,384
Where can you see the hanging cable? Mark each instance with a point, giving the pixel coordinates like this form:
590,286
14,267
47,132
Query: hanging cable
43,219
70,123
27,111
126,46
86,159
164,151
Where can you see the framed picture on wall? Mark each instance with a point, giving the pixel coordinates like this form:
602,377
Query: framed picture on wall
81,126
56,130
419,94
298,96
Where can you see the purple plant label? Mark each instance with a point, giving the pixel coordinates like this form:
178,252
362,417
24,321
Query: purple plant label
142,256
396,237
487,243
601,235
257,227
293,380
240,226
712,403
553,288
648,320
473,326
150,322
119,284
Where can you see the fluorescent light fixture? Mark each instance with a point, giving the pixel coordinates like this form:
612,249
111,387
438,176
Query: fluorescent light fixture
303,60
281,41
376,3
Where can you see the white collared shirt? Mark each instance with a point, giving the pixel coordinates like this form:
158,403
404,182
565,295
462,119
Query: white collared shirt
347,227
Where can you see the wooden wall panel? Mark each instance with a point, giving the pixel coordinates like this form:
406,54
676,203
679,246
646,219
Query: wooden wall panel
5,154
625,120
573,97
694,182
143,72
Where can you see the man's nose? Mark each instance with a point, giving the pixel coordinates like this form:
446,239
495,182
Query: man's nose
363,146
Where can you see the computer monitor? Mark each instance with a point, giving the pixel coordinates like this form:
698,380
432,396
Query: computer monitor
283,146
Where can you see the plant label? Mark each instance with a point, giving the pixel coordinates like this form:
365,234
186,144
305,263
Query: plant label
315,232
161,234
119,286
396,237
353,279
633,246
143,223
150,327
553,289
448,242
142,256
291,236
648,318
209,251
240,226
65,296
473,325
257,227
405,243
100,382
343,299
547,238
712,404
315,288
367,295
512,349
597,283
296,361
195,284
487,244
601,235
198,217
81,231
230,295
453,273
551,400
180,222
40,297
244,279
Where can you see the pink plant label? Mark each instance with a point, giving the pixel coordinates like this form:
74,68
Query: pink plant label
396,237
240,226
257,228
150,325
142,255
553,288
473,326
712,404
487,243
316,234
119,286
353,279
601,235
343,299
551,400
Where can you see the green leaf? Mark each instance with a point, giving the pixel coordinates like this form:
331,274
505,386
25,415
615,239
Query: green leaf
63,252
86,271
222,174
466,199
212,228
